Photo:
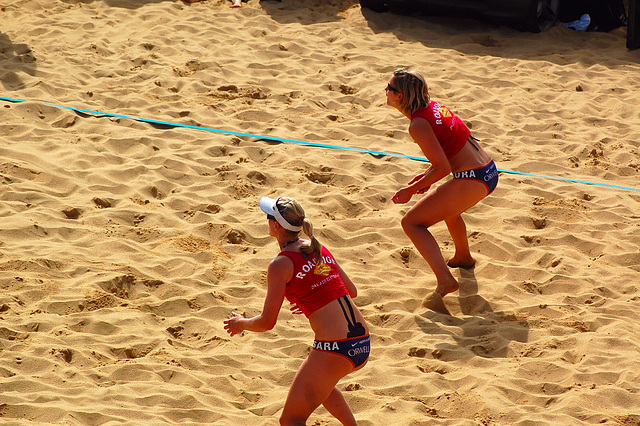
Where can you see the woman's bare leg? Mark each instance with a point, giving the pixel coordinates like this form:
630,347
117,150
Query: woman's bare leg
458,230
338,407
449,200
314,384
429,249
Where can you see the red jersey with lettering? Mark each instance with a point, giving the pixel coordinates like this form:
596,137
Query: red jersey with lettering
451,132
311,288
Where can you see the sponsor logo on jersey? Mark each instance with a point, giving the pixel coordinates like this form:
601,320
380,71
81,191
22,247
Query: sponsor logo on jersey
322,269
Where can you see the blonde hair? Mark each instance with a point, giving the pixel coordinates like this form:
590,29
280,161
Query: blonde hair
414,88
292,212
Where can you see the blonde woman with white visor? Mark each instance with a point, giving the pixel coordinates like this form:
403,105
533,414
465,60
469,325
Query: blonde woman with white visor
309,277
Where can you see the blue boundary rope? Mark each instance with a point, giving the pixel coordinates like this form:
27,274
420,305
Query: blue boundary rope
305,143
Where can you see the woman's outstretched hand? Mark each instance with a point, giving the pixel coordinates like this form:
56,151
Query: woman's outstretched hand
402,196
417,178
423,190
233,325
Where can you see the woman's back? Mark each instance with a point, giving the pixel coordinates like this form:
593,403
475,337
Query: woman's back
332,321
323,294
471,156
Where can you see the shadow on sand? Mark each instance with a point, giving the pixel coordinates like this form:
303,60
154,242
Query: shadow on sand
15,58
480,330
558,44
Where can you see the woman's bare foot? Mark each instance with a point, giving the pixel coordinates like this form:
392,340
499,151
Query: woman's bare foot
236,3
461,262
444,289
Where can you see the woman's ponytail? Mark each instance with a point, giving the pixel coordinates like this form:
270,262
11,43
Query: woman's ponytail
314,247
293,213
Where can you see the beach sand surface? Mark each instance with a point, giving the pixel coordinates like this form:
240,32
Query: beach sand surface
130,226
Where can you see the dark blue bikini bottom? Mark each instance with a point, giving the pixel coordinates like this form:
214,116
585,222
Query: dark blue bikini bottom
355,349
487,174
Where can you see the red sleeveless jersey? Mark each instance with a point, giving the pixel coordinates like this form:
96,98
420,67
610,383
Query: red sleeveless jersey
451,132
311,288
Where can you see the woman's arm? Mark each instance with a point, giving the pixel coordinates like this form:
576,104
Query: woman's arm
353,291
423,134
279,273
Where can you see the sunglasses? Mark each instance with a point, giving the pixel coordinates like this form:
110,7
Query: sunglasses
269,217
393,89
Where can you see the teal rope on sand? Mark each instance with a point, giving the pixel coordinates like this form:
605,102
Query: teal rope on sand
305,143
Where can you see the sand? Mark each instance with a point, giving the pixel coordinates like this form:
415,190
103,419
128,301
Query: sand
124,244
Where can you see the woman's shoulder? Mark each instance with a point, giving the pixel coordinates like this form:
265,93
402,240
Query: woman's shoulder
280,270
289,257
423,112
281,262
288,254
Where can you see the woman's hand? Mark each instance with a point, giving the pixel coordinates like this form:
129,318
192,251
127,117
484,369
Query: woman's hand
234,325
417,178
403,196
423,190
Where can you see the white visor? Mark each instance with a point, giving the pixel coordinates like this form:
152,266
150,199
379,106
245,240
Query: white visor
268,205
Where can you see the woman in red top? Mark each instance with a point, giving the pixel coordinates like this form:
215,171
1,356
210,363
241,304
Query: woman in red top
448,145
308,276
